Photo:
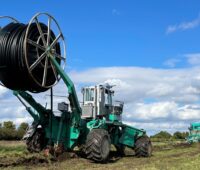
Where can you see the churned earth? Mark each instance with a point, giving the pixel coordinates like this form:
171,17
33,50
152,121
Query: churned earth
166,155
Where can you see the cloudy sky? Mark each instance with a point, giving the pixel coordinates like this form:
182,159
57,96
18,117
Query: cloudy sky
149,50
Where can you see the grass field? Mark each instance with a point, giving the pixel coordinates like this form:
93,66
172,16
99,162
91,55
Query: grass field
13,155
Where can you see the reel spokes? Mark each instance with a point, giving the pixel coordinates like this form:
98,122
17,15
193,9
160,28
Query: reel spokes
46,44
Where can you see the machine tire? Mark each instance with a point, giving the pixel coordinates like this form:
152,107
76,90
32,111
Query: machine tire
143,147
36,143
98,145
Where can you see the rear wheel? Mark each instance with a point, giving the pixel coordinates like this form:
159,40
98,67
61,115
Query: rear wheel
98,145
36,143
143,147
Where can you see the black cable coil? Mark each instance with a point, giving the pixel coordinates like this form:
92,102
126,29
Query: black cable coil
14,73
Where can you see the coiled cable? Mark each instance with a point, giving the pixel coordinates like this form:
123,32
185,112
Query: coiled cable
14,73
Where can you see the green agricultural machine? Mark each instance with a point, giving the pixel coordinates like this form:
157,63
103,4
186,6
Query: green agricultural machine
32,59
194,133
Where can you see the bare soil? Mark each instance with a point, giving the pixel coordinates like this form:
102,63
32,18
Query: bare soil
13,155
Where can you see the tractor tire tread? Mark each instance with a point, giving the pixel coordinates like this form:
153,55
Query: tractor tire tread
143,147
93,144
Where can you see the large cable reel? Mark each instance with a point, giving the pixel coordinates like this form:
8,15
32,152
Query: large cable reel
25,50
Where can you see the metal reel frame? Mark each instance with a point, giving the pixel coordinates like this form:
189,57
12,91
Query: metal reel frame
11,18
48,49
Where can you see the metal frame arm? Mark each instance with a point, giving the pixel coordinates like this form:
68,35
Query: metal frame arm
74,103
29,99
29,109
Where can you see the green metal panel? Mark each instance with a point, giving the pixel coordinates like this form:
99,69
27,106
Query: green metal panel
97,123
126,136
113,117
57,129
129,135
73,124
195,126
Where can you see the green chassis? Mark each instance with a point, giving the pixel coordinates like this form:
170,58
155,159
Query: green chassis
69,129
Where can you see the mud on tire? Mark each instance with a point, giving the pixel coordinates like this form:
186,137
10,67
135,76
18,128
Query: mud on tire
143,147
36,143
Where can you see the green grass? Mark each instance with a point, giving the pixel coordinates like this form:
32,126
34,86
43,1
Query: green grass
166,156
6,149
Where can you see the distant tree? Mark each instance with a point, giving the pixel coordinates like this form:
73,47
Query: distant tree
21,130
163,135
8,131
186,134
180,135
23,126
1,134
9,125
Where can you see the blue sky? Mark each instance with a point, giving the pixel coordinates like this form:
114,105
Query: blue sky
116,32
149,49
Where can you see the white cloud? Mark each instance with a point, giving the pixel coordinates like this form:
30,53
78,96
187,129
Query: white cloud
3,90
166,97
155,99
139,83
189,112
193,59
148,112
12,110
157,127
165,111
183,26
171,62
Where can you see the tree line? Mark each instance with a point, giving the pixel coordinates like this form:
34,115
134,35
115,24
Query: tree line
8,130
164,135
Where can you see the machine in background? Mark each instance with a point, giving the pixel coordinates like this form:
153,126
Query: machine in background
194,133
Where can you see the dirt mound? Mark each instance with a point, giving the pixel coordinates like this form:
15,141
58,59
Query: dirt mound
170,146
182,144
37,159
33,160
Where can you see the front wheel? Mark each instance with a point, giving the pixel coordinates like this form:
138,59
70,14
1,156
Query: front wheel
98,145
143,147
36,143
